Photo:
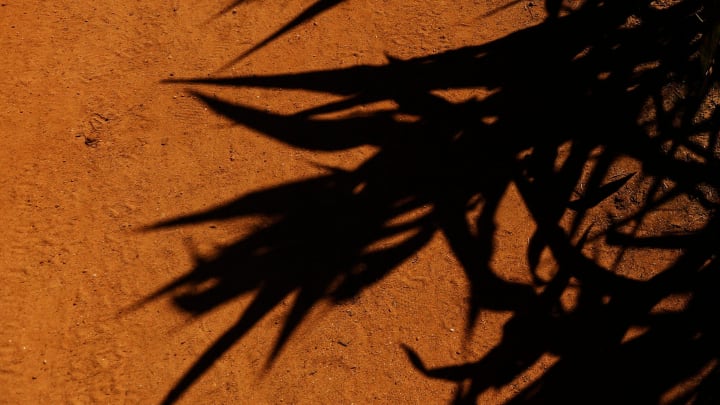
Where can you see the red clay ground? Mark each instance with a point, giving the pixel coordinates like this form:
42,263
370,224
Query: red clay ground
95,148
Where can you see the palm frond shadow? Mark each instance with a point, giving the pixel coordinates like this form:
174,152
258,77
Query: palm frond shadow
569,99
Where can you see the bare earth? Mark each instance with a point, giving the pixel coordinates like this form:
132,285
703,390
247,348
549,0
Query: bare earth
310,261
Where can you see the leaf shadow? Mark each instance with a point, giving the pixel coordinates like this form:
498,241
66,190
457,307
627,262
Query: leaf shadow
568,100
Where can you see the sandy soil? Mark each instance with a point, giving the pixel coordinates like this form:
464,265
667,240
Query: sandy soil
224,243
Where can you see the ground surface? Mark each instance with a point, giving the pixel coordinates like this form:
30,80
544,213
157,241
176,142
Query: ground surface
95,149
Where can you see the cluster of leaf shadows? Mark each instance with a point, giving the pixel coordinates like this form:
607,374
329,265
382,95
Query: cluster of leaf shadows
599,78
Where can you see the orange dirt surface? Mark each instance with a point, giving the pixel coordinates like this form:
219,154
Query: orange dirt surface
112,291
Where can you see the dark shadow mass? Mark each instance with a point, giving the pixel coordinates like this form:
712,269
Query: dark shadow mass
567,102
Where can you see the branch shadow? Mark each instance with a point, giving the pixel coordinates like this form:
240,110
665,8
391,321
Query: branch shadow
569,100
